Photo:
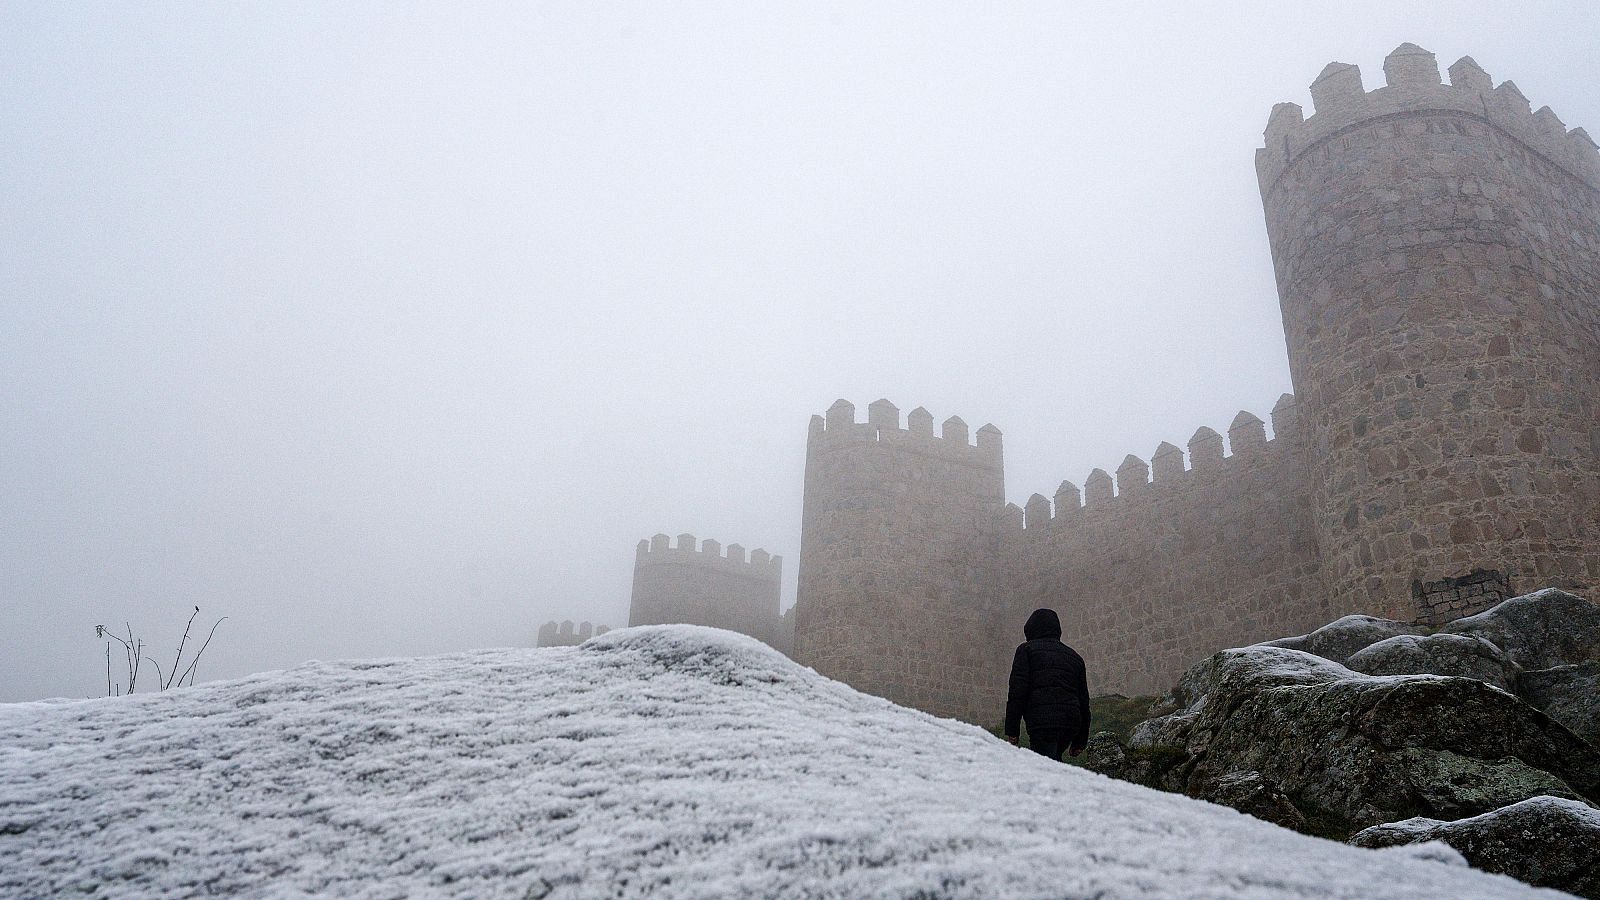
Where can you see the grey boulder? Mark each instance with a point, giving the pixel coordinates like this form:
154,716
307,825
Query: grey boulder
1251,794
1540,630
1106,755
1340,639
1461,655
1349,750
1544,841
1568,694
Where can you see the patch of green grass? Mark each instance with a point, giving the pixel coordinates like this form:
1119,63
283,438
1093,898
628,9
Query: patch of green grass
1118,714
1112,712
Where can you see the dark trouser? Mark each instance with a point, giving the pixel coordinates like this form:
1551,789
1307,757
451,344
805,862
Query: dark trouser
1048,742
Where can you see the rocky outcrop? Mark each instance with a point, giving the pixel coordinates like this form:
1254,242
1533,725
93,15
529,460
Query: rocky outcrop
1461,655
1481,735
1340,639
1541,630
1349,750
1253,794
1106,755
1568,694
1543,841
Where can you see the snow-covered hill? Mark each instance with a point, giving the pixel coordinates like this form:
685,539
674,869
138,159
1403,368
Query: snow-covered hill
670,761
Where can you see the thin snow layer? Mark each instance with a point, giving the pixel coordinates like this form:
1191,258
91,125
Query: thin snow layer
672,761
1559,807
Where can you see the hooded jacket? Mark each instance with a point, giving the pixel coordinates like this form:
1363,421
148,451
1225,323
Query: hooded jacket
1049,685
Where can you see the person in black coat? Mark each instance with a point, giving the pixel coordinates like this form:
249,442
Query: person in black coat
1049,689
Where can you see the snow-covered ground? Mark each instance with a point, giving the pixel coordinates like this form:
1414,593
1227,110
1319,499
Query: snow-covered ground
671,761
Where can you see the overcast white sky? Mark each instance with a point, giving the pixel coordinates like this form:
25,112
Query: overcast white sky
389,329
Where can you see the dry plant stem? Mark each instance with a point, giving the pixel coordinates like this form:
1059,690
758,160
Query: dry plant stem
132,653
184,640
158,672
127,649
134,657
189,672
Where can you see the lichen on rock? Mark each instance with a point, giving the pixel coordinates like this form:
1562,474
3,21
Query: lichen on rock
1540,630
1342,638
1545,841
1391,724
1466,656
1568,694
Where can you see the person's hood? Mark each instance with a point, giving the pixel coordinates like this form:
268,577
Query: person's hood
1042,624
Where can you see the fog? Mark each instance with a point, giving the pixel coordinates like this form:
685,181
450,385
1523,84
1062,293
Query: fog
389,329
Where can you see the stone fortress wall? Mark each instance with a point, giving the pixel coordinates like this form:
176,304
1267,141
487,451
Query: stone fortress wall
1437,249
1438,257
1151,574
1438,261
892,559
700,585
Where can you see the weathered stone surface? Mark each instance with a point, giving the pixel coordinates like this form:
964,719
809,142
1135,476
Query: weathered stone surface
1415,741
1340,639
1231,672
1541,630
1544,841
1432,851
1568,694
1437,654
1106,755
1350,750
1251,794
1452,785
896,585
1435,375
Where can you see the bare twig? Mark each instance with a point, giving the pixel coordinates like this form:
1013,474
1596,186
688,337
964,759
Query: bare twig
134,657
196,661
102,631
130,652
179,659
163,684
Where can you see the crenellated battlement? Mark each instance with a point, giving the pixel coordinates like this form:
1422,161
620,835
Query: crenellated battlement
693,582
661,550
839,428
1247,442
565,634
1414,89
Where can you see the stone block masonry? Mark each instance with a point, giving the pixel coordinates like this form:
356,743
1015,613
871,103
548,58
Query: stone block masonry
1437,251
1452,598
1215,554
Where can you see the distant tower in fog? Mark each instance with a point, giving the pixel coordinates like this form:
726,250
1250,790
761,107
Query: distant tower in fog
687,585
886,542
565,635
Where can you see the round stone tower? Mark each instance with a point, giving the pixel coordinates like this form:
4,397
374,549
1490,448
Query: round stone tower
1437,250
896,595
